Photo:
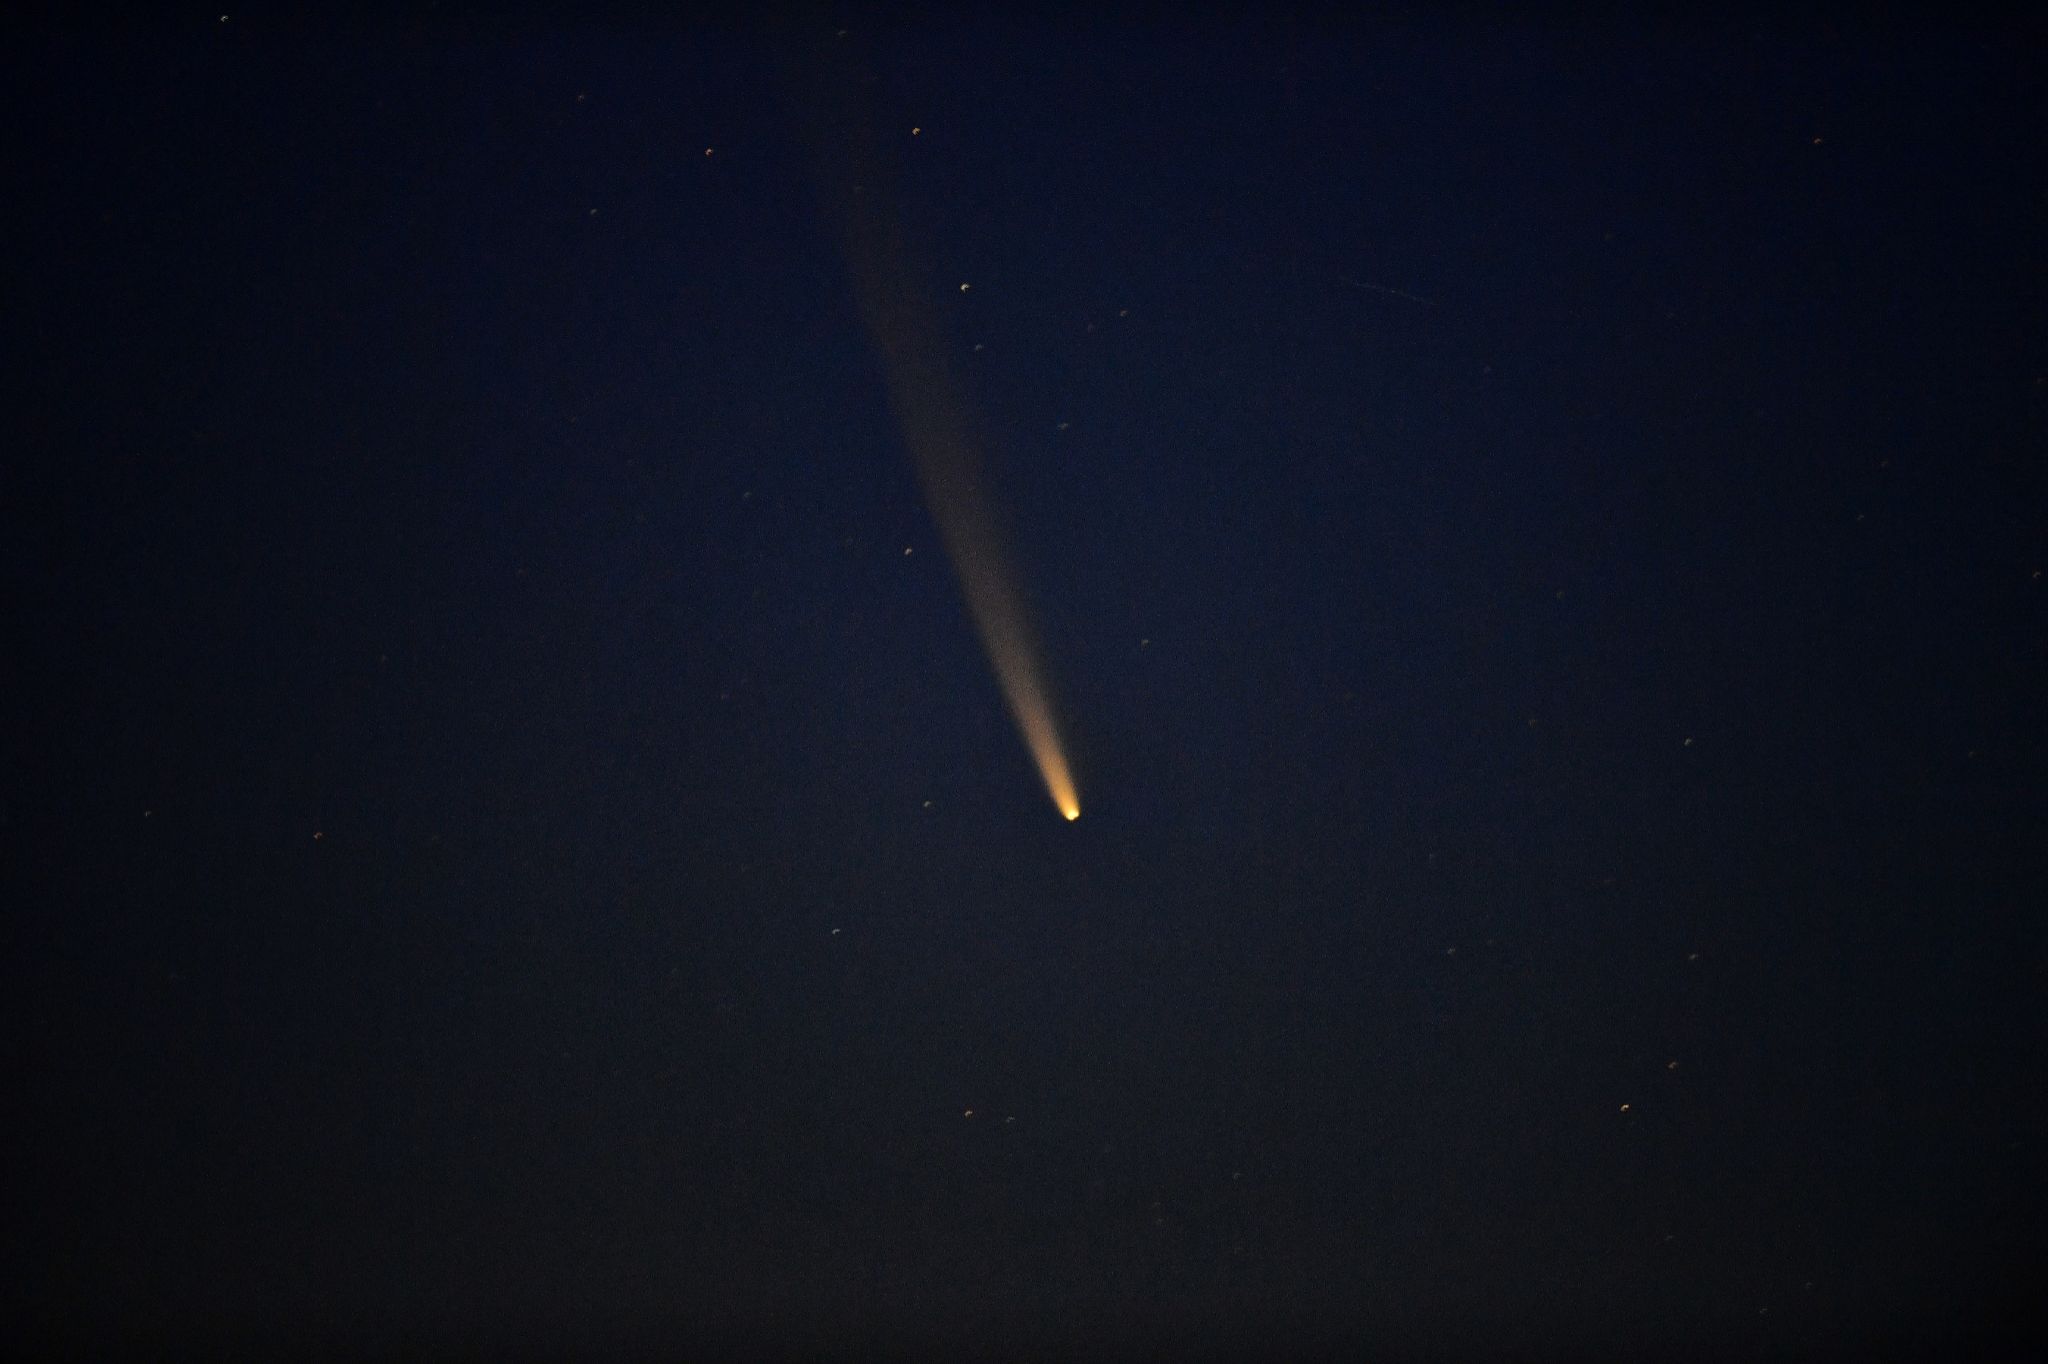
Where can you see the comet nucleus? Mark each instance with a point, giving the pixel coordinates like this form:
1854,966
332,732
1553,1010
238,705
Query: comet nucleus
903,319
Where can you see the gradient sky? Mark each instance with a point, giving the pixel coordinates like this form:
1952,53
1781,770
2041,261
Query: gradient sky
1535,534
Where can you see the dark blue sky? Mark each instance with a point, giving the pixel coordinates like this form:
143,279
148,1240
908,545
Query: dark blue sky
1537,535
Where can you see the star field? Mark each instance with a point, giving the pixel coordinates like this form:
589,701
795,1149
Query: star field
531,538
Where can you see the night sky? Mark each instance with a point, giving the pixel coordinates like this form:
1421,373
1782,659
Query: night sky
1534,540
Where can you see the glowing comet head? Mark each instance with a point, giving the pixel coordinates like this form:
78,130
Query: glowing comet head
1018,674
943,441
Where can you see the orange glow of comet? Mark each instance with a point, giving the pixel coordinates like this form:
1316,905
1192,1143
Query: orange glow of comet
948,462
1000,617
902,316
908,332
910,336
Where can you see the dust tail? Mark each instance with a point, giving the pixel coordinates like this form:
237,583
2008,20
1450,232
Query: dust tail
904,323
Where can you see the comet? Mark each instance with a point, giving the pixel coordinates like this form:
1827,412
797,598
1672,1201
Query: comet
908,332
942,442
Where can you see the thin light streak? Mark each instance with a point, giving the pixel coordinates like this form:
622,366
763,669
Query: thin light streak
908,332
